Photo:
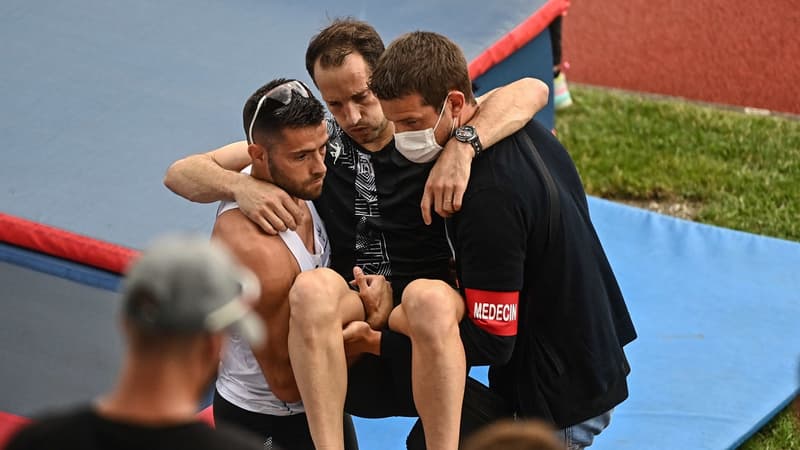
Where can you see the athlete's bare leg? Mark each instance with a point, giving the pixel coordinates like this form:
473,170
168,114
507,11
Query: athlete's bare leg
321,303
429,315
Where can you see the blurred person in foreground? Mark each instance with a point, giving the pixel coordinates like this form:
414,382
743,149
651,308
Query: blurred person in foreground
179,300
509,434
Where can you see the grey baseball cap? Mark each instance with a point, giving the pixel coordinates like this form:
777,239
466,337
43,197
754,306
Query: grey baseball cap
189,284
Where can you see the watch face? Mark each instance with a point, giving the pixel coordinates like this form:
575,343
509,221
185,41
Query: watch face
464,133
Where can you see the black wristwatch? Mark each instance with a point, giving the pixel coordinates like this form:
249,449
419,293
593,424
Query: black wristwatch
468,134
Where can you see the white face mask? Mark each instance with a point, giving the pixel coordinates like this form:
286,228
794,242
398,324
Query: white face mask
419,146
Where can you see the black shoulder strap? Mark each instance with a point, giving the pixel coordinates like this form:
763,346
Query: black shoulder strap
554,208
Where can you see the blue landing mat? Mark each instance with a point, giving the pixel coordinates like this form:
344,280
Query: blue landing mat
59,339
717,313
718,317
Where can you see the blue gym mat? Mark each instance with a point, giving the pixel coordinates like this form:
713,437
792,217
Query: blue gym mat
718,316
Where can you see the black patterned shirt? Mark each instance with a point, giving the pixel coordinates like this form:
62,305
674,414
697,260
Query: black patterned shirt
370,206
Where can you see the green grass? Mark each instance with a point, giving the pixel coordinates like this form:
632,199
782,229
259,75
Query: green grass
737,171
783,433
743,171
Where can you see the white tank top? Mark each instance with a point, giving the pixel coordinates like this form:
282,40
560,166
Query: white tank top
240,380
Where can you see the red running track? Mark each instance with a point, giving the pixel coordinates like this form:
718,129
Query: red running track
736,52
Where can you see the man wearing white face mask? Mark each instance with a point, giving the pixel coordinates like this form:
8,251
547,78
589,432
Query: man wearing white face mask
539,301
420,146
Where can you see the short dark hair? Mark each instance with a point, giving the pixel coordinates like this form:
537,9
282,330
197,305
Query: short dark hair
342,37
274,116
424,63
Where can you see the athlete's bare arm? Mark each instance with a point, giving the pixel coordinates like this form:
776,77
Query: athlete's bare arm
272,262
214,176
201,178
505,110
502,112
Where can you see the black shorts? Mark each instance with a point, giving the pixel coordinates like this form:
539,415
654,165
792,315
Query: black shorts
278,432
380,387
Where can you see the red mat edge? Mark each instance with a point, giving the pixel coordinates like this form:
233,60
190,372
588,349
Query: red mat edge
517,38
64,244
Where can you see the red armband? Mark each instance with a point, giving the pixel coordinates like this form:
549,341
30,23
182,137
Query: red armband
492,311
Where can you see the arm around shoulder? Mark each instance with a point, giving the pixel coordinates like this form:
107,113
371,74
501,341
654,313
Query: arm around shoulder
209,177
505,110
216,176
501,113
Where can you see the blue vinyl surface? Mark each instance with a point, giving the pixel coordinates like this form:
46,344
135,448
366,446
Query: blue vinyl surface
60,268
718,315
59,339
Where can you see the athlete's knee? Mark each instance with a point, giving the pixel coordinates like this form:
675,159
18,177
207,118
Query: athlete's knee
430,307
314,296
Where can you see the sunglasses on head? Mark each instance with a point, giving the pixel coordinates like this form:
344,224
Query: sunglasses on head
281,93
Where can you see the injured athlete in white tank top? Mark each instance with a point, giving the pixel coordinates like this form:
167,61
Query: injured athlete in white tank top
240,380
